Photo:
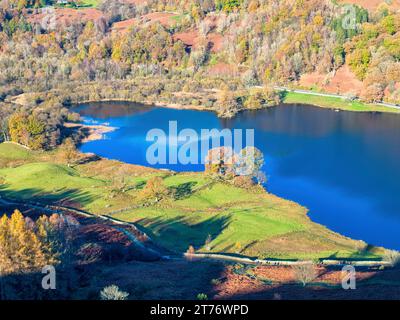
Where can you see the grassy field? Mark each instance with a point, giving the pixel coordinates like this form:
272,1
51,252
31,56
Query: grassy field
80,4
237,221
335,103
89,3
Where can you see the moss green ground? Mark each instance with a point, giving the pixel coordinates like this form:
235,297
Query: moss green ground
335,103
240,221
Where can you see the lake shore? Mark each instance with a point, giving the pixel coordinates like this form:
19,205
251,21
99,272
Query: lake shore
333,103
92,132
95,180
270,125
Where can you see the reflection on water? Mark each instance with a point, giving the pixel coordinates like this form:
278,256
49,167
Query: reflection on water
106,110
343,166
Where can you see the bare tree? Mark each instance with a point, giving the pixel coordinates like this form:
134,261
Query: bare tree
392,256
305,272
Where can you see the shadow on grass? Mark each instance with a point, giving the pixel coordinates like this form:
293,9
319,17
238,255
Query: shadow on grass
183,190
72,197
177,234
365,254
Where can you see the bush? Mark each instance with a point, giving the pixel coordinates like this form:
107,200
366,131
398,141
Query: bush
215,282
113,293
202,296
305,273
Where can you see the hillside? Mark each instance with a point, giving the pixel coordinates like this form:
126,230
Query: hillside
221,44
211,216
249,222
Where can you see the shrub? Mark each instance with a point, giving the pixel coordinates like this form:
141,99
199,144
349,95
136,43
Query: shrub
305,273
113,293
202,296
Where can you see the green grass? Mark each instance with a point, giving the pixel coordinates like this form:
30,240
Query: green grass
239,221
178,18
89,3
264,226
335,103
9,151
47,181
80,4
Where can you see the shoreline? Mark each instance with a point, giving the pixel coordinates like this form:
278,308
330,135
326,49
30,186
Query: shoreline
289,96
175,107
93,132
335,104
363,243
160,104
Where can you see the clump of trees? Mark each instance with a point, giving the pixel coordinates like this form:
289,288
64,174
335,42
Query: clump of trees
28,246
27,130
242,168
37,125
374,56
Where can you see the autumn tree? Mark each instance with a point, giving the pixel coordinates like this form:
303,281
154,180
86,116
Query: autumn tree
67,152
228,104
155,190
27,130
20,248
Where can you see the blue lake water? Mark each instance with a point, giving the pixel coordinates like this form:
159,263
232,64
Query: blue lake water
343,166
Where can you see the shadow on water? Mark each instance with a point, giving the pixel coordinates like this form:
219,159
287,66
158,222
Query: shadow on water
105,110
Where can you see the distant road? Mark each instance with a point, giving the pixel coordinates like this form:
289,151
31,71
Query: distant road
330,95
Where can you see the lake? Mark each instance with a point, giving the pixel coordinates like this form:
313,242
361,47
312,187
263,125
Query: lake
343,166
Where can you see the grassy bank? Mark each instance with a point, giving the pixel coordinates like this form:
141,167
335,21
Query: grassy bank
335,103
236,220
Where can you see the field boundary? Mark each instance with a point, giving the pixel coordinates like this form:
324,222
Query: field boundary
249,261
